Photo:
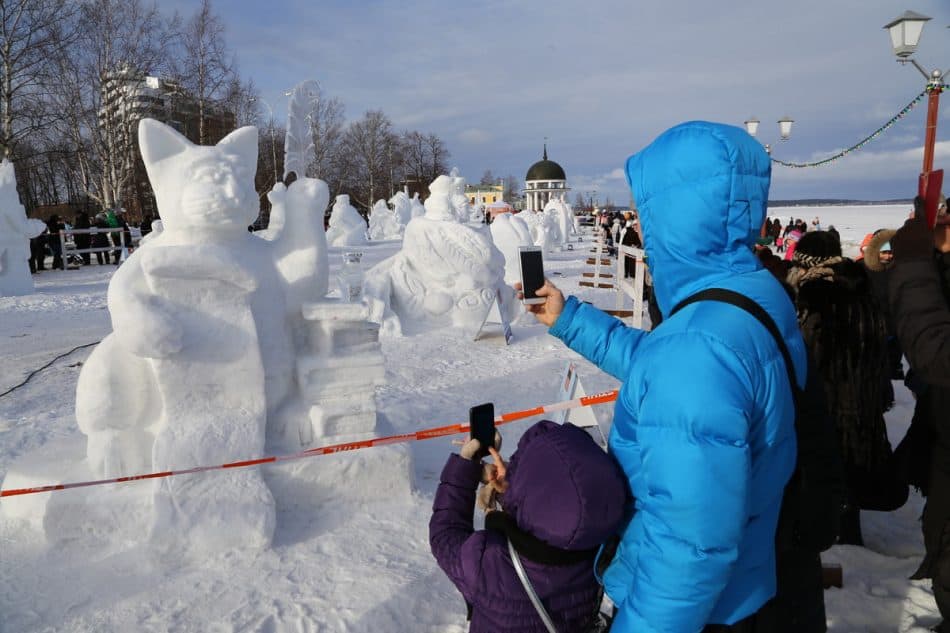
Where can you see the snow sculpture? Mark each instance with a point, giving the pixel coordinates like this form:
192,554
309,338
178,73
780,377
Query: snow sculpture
347,227
560,216
383,224
447,273
459,200
509,233
402,208
187,377
16,230
418,209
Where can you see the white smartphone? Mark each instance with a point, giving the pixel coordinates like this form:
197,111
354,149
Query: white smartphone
532,273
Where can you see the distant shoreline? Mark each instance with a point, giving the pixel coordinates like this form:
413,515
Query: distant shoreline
833,202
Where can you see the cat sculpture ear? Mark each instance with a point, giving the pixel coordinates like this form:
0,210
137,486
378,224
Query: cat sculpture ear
242,143
158,141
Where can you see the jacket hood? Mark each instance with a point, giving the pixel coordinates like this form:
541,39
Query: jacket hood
702,190
872,250
563,488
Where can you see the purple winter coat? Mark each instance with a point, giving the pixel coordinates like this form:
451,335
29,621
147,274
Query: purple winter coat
564,490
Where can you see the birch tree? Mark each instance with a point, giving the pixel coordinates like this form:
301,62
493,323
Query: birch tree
207,67
30,32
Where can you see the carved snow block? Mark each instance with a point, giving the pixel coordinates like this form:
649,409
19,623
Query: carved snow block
338,379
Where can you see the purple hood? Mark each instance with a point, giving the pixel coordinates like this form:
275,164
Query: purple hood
563,488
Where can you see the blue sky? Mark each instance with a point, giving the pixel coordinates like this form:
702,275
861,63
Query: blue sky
602,78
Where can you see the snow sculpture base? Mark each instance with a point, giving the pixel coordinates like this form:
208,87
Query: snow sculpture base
99,514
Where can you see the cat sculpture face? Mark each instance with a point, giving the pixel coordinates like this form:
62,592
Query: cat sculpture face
201,187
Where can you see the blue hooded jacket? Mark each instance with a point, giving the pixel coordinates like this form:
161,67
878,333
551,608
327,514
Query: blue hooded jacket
704,423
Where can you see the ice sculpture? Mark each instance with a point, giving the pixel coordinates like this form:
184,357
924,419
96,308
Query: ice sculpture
509,233
383,224
418,209
224,348
347,227
447,273
402,208
15,233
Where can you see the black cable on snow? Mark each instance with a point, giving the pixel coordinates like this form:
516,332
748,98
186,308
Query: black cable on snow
36,371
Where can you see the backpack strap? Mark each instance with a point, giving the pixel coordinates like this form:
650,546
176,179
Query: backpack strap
741,301
529,588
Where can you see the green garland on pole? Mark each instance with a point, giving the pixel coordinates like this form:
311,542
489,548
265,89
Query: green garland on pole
897,117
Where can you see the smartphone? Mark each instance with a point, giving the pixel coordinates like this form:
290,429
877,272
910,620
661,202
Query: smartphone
481,421
532,273
933,184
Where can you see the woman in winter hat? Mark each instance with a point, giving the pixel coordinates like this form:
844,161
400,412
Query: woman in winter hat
563,497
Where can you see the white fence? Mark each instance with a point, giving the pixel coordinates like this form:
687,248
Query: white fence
69,248
634,289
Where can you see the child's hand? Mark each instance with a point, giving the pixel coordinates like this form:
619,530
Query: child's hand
494,477
471,447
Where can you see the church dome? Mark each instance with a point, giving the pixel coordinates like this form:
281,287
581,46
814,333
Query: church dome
545,169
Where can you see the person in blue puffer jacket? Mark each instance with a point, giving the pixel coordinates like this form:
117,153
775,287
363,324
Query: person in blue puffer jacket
704,426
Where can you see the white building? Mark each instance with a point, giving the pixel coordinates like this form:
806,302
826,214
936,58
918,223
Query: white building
545,180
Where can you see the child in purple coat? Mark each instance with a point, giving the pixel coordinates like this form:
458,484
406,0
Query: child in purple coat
564,497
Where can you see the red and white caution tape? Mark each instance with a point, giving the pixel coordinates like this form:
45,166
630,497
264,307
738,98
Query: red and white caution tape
427,434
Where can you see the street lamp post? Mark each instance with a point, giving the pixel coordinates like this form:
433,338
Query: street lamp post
784,129
905,31
784,132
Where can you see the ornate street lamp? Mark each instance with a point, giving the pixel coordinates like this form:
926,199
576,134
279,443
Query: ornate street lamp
905,32
784,129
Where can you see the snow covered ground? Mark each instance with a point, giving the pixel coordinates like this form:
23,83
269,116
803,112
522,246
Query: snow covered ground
337,565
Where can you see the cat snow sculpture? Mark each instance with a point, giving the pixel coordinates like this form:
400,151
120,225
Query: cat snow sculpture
201,352
16,230
447,273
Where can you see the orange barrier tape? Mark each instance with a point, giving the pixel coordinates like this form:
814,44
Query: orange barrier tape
427,434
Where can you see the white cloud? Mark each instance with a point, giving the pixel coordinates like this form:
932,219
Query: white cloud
474,136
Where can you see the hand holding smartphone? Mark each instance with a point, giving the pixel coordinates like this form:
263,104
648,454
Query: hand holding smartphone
481,420
532,273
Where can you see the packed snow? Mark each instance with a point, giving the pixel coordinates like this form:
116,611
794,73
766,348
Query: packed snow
15,233
351,552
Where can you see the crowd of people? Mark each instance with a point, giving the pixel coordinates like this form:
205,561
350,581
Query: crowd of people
109,242
749,431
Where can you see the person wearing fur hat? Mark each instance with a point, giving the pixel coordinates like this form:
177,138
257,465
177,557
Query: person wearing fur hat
844,328
878,260
561,498
919,292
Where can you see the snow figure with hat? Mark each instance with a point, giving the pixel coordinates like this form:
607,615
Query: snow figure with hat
347,227
402,208
383,224
447,273
201,352
561,497
16,230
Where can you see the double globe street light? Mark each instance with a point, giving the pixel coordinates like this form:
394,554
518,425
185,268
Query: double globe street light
905,31
784,129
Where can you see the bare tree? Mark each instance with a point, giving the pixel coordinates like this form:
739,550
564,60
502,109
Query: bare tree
368,145
512,189
327,128
98,81
424,155
242,98
207,67
487,178
31,30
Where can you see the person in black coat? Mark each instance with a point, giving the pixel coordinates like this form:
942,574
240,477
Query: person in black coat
919,292
83,240
844,328
54,225
101,240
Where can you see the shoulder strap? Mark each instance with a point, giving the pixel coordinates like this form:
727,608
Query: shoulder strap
535,600
741,301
